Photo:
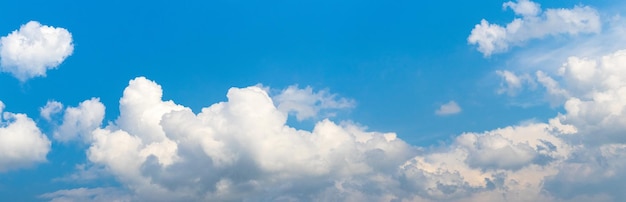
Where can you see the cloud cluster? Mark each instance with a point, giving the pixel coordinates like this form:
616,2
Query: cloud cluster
533,23
242,149
234,150
33,49
22,144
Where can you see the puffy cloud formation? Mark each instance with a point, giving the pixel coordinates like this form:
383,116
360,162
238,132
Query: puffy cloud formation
242,149
305,103
33,49
533,22
78,122
448,109
239,149
507,164
21,142
594,90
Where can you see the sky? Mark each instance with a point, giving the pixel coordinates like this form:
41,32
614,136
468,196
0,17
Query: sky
312,100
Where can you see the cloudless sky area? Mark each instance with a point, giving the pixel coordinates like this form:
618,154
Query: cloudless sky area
399,61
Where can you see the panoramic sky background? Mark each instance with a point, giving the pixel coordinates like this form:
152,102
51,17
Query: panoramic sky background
313,100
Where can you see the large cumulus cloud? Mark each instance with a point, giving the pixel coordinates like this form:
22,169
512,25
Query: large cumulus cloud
239,149
242,149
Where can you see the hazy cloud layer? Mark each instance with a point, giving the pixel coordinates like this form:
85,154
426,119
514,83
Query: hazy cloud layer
34,49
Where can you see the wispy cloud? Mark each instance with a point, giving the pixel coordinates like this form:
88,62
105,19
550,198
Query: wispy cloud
448,109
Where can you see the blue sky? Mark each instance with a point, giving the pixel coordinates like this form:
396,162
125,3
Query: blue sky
366,66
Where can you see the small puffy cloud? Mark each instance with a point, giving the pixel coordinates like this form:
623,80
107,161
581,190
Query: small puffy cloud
448,109
533,23
51,108
78,122
22,144
305,103
33,49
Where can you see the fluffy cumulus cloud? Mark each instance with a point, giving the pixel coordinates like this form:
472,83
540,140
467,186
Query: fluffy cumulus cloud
22,144
34,49
448,109
591,88
242,149
532,23
239,149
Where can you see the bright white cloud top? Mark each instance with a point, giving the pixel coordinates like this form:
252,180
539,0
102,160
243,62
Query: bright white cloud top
533,23
34,49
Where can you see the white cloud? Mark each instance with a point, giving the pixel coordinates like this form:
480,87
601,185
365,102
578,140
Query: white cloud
51,108
591,86
448,109
78,122
594,94
87,194
507,164
305,103
21,142
242,149
533,23
33,49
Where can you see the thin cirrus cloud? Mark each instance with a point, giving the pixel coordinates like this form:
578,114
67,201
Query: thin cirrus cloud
34,49
533,23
